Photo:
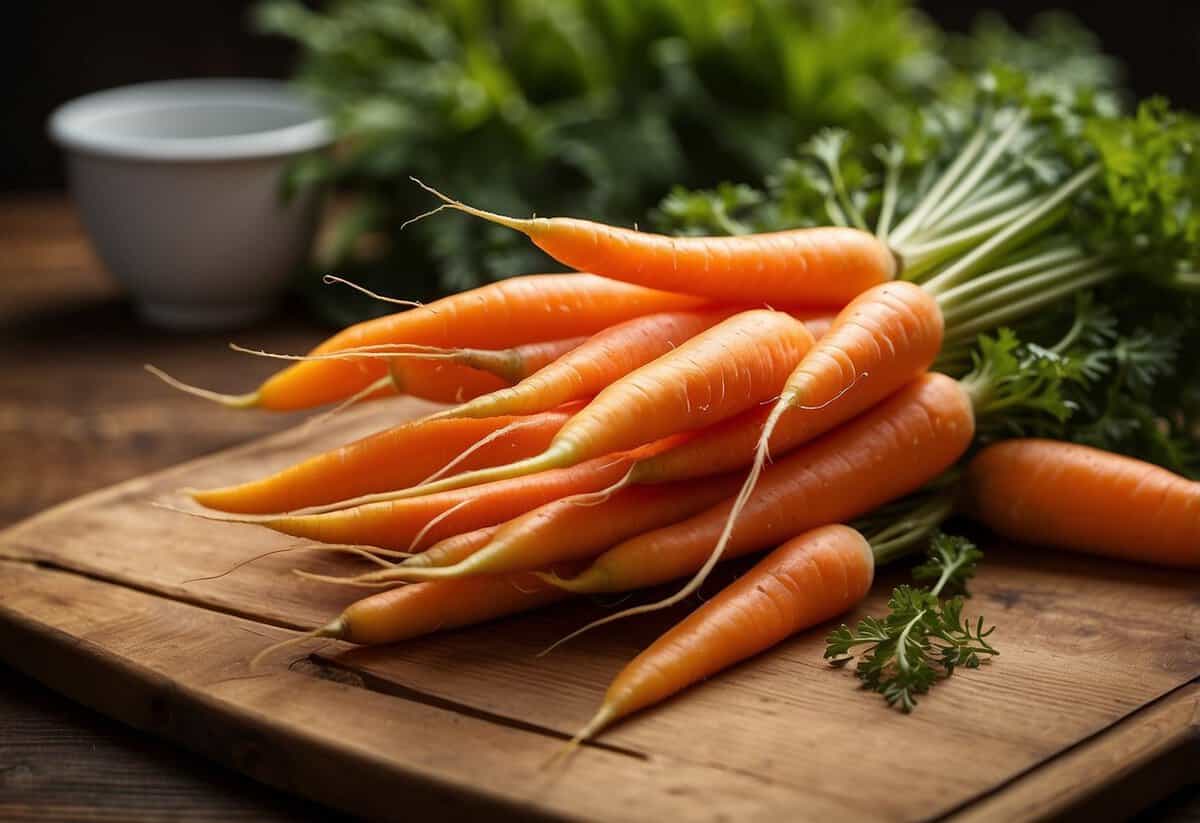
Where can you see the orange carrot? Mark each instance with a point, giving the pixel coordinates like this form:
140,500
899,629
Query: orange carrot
395,458
901,315
727,369
569,529
807,580
507,313
878,343
884,453
424,608
824,266
1069,496
408,524
587,370
458,548
441,382
512,365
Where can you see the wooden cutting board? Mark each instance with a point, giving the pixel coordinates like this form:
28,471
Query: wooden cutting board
1093,705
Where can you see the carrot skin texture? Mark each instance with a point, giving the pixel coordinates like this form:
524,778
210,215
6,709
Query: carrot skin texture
887,452
454,549
727,369
567,530
395,458
602,359
395,524
707,381
848,354
1068,496
419,609
825,266
806,581
440,381
508,313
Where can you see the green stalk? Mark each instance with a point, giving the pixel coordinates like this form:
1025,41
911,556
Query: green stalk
993,201
1029,223
1015,311
1020,268
1184,281
979,171
1004,284
903,536
891,190
913,221
919,260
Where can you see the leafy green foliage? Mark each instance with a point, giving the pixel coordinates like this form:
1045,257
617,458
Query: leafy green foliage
1151,188
923,639
578,107
1011,376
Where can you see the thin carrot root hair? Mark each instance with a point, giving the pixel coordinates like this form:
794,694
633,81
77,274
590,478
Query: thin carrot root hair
318,420
217,516
232,401
491,437
380,351
761,456
603,495
375,555
433,521
335,630
332,279
353,580
449,202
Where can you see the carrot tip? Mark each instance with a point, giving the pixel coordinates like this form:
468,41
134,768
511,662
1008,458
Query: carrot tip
357,580
577,584
232,401
599,721
334,629
523,226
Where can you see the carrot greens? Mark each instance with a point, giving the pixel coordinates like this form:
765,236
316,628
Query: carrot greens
924,638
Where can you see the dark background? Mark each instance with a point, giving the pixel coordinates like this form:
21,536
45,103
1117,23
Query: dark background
63,48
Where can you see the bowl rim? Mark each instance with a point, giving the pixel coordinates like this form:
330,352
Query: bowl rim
69,125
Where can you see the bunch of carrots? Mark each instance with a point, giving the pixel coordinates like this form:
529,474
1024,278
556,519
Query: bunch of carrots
827,395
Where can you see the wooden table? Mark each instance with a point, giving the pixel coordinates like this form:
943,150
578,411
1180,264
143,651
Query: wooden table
76,413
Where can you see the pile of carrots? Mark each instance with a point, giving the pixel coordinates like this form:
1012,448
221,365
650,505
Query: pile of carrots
686,401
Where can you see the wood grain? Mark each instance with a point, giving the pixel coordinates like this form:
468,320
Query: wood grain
1063,705
1068,671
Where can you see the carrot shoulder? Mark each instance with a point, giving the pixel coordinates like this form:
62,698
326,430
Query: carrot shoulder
1076,497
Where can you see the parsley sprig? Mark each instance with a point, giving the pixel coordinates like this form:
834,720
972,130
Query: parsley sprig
923,639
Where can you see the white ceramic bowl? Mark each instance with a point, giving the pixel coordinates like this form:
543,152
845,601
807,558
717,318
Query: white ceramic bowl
178,184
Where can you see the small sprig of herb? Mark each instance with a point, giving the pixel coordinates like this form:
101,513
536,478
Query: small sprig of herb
923,639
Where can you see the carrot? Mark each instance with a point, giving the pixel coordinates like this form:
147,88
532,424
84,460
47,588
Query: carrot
877,344
441,382
806,581
1069,496
407,524
824,266
732,366
406,612
512,365
390,459
507,313
884,453
455,549
569,529
604,358
903,316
